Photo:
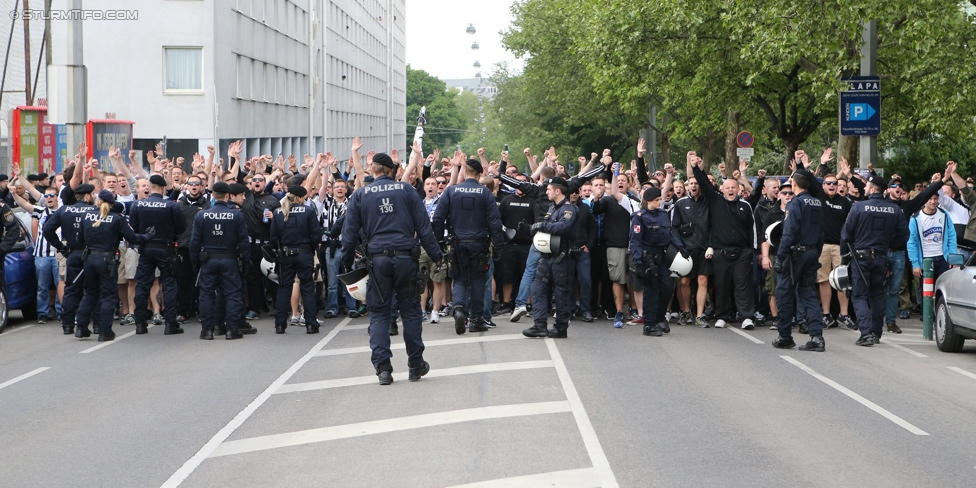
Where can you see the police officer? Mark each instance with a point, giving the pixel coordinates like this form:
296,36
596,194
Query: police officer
166,219
390,217
101,234
69,219
796,264
470,211
873,226
295,231
555,272
218,247
650,235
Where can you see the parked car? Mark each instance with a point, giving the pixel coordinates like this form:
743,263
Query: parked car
19,287
955,304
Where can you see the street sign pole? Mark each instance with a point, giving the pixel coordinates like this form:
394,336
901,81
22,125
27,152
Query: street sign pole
869,67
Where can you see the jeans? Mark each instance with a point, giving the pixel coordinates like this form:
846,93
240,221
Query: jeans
896,265
47,278
525,287
486,313
585,284
333,280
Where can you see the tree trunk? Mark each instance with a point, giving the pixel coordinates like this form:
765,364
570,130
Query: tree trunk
731,131
847,148
791,147
665,148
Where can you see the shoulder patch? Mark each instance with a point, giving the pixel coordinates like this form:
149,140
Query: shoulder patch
568,214
9,216
637,228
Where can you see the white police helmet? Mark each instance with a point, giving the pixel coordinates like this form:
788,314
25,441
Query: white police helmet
774,233
840,278
356,282
676,262
545,243
268,270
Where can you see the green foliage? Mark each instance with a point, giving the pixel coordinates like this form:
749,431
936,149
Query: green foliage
919,160
444,117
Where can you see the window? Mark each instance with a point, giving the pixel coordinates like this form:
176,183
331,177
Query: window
183,70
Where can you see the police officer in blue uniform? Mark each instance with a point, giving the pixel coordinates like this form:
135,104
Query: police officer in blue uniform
389,217
219,249
470,212
69,219
873,226
166,219
295,231
554,276
796,264
101,234
650,236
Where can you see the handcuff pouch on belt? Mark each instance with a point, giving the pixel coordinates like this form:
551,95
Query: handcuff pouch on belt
575,252
864,254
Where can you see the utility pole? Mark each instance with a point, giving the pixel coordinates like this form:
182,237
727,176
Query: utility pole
76,82
869,67
27,61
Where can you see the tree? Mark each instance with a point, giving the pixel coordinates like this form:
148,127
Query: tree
443,116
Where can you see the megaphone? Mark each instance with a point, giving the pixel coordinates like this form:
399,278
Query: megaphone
356,282
840,278
268,270
546,243
774,233
676,262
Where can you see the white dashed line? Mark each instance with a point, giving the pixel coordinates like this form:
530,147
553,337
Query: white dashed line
23,377
747,336
962,372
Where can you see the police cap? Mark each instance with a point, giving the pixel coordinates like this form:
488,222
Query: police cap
878,182
157,180
221,187
85,188
383,159
236,188
475,165
107,197
651,194
297,190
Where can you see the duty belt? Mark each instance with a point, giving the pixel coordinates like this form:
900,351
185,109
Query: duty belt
255,240
102,253
222,256
393,252
799,248
296,250
159,245
465,241
867,253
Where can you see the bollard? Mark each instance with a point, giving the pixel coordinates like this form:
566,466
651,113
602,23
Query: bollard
928,294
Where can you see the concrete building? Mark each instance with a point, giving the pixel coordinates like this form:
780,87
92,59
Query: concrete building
285,76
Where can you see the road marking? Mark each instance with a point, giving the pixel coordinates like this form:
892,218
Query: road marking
858,398
573,478
953,368
442,342
15,329
23,377
747,336
109,343
436,373
191,464
590,440
323,434
356,327
903,348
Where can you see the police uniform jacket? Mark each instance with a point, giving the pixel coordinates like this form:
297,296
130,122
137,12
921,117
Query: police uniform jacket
69,218
389,216
561,221
802,225
300,230
162,214
470,210
650,231
107,236
11,229
689,219
219,230
877,224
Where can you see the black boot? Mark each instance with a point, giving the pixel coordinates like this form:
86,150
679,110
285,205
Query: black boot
664,326
653,330
173,328
781,342
477,325
557,333
106,336
460,318
220,329
207,334
537,330
82,332
415,373
247,329
816,343
385,374
68,330
311,329
142,328
234,334
280,329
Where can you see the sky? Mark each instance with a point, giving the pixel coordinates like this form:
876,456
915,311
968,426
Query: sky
438,44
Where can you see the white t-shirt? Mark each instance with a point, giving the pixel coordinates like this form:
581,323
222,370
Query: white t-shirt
930,228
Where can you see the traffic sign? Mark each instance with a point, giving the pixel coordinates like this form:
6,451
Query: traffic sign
860,106
744,139
745,153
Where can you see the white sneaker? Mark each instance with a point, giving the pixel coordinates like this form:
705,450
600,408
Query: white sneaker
719,324
293,321
747,324
434,317
773,327
518,313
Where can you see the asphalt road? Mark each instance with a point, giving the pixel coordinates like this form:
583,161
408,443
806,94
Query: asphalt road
605,407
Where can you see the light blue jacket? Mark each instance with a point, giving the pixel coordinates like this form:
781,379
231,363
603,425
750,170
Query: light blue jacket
915,239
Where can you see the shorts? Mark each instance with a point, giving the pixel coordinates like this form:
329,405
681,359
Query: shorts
771,282
617,261
62,266
512,265
829,259
437,275
131,264
699,265
122,262
635,284
317,277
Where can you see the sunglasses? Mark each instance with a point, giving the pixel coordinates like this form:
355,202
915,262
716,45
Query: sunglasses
439,182
49,195
259,180
785,193
194,183
830,183
896,185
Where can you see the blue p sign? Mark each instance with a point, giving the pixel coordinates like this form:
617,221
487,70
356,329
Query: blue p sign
861,111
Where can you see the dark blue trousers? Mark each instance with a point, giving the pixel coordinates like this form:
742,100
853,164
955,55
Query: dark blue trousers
299,265
469,281
657,294
552,278
390,277
868,293
223,275
797,295
151,259
74,288
101,292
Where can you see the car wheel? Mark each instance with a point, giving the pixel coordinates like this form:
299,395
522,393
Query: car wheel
945,333
4,311
30,310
